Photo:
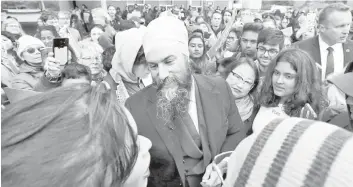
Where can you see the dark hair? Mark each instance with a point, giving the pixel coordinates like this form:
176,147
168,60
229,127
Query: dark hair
200,37
80,134
231,63
10,36
308,83
74,16
140,57
197,30
271,36
76,71
107,57
50,28
111,6
253,27
349,68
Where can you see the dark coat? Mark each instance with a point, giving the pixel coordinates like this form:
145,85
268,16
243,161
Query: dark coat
224,128
312,47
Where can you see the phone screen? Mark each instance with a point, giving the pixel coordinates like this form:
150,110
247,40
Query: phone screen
60,49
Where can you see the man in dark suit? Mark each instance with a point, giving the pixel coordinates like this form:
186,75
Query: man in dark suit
331,49
189,118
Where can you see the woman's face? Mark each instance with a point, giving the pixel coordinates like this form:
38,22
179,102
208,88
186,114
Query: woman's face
47,38
96,33
40,22
13,27
54,22
232,42
285,23
32,54
111,11
6,43
204,28
309,34
227,17
140,172
241,80
141,70
196,48
92,60
284,80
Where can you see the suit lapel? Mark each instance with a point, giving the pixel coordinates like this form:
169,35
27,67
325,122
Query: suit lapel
211,105
347,52
167,134
316,50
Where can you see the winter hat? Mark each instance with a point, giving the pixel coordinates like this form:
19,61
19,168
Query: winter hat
26,41
165,33
293,152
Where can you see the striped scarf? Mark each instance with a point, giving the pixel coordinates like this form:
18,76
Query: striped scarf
293,152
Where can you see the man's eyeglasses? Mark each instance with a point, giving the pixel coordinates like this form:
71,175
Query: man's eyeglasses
32,50
239,78
271,52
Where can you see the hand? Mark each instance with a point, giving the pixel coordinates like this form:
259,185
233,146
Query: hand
212,177
52,65
308,112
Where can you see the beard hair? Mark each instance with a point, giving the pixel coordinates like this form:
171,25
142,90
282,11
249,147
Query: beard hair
173,98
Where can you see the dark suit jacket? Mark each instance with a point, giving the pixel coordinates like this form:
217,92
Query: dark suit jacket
312,47
224,127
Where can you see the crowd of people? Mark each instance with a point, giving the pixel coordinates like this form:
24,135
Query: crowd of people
179,97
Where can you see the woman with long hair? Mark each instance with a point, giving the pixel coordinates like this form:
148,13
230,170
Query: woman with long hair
198,59
292,88
72,136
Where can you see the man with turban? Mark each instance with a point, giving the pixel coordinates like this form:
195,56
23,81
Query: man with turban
189,118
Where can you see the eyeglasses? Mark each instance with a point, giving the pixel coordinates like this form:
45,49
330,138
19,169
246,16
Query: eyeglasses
239,78
271,52
32,50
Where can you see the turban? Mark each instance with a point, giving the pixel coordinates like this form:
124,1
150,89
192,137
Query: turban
165,33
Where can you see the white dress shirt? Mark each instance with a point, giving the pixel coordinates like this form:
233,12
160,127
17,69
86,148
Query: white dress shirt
192,110
338,57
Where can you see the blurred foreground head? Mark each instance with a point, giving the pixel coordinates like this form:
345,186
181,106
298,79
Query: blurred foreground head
71,136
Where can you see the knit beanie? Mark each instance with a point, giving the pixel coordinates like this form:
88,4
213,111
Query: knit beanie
26,41
293,152
165,33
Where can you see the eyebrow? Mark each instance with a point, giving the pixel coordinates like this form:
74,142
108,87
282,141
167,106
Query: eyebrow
164,59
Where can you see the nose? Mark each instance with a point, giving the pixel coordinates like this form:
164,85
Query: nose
279,79
248,44
163,71
145,143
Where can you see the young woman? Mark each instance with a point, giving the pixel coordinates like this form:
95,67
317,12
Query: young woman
198,59
243,78
46,34
292,88
72,136
12,26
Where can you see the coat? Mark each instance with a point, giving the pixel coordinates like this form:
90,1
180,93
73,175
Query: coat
223,125
28,78
312,47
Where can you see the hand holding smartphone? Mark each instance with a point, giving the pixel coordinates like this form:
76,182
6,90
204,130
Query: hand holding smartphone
308,112
61,50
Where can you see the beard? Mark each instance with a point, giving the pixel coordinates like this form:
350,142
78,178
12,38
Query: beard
173,97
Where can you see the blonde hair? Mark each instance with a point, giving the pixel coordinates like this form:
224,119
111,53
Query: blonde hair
11,20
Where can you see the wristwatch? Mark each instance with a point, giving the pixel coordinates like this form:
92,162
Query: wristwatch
53,79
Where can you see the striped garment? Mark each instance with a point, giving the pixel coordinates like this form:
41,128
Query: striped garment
293,152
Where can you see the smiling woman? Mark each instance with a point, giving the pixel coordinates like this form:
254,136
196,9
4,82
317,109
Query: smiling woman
291,87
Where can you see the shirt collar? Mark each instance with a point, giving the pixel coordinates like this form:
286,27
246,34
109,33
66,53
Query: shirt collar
323,45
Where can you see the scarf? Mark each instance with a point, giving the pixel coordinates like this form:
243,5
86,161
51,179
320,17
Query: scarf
245,107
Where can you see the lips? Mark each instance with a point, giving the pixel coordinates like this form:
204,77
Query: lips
278,88
236,89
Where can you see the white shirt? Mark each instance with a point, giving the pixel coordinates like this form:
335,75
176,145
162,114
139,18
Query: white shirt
338,57
192,110
266,115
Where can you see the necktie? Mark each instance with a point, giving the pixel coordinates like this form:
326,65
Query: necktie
330,61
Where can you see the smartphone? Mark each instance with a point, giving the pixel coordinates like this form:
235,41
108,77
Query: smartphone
61,50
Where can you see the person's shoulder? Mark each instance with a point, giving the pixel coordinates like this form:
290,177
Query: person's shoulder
306,42
140,96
